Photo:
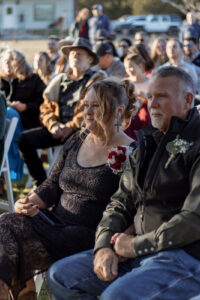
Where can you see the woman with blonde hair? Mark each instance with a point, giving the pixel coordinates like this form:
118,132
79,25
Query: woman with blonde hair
80,27
77,191
23,91
158,51
42,66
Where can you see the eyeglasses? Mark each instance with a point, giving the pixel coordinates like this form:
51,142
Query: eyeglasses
188,45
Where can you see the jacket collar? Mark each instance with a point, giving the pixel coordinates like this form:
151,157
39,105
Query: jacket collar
176,125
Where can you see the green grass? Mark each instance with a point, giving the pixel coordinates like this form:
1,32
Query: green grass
43,294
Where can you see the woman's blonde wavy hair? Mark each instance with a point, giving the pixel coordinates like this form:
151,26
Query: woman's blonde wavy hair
111,93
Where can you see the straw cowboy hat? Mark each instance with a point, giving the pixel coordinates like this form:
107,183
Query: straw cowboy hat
81,43
68,41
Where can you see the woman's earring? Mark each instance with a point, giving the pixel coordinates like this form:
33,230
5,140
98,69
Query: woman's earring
118,123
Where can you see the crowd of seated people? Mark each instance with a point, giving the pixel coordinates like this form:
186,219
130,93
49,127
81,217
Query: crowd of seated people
92,99
23,91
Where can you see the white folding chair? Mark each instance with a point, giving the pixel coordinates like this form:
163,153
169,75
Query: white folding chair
5,169
41,282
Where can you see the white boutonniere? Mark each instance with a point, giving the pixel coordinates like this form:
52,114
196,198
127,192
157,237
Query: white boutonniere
175,147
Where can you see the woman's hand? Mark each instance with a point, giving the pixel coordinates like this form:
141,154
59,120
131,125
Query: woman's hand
26,207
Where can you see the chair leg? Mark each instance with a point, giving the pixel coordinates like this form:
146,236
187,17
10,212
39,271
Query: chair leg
9,187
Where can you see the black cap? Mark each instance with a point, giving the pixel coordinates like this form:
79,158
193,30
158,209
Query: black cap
103,49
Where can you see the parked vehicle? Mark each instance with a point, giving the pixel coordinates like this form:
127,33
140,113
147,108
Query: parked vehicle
125,26
169,24
121,20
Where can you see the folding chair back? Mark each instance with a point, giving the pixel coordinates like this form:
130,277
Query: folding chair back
5,169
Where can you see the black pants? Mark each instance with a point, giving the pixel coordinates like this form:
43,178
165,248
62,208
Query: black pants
31,140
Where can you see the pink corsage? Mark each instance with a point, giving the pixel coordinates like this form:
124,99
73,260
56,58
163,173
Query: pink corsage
118,157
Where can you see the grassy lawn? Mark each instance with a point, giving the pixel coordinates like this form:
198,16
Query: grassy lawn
28,48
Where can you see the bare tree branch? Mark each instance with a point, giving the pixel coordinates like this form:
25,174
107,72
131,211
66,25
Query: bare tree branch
188,5
178,6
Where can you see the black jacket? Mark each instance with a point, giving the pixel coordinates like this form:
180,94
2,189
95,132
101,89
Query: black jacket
28,91
163,203
75,30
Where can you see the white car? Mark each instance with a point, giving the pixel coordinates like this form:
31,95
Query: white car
169,24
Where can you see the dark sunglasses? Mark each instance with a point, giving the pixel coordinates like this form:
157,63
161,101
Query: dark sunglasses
188,45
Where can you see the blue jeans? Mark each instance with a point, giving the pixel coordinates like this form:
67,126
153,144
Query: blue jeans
16,163
167,275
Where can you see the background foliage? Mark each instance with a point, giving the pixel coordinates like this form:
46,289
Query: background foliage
116,8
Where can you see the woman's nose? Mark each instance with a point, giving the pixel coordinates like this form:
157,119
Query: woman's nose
89,110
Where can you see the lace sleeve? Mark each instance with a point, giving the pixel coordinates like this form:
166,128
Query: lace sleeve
49,191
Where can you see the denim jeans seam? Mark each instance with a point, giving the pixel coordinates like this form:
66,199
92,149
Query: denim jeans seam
168,287
197,270
73,285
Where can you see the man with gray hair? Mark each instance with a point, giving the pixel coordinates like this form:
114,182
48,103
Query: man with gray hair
148,241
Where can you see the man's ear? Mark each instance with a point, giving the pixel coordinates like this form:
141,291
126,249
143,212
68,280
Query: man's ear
189,98
91,59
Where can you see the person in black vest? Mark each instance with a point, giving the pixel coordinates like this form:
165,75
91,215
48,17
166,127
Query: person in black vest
148,241
61,112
